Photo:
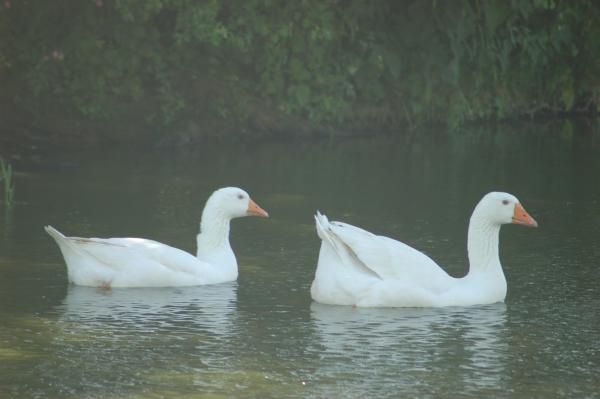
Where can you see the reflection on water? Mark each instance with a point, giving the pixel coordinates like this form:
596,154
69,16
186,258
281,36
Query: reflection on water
261,336
198,308
101,336
458,349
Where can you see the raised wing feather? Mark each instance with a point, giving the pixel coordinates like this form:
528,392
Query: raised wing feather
387,257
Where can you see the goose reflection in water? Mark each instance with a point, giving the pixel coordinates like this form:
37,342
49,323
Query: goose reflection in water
209,306
124,336
156,325
465,347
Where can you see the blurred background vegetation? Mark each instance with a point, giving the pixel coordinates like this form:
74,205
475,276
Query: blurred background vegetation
185,69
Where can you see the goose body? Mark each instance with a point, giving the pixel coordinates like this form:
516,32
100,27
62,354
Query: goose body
358,268
138,262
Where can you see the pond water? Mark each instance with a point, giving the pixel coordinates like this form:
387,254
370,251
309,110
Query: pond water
262,336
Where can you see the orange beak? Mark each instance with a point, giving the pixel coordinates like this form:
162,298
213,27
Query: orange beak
255,210
520,216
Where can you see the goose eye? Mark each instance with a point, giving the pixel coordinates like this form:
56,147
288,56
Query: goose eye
504,202
240,196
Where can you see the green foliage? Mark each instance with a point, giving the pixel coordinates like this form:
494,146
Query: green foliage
6,176
332,62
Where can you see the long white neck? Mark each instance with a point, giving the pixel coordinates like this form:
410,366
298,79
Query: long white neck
485,274
482,245
214,230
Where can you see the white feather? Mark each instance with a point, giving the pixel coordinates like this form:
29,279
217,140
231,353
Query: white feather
138,262
356,267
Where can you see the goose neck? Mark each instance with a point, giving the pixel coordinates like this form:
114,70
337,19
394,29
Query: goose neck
482,245
214,229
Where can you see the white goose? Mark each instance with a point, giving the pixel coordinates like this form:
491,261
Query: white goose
137,262
359,268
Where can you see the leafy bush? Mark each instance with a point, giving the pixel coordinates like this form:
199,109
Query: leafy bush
328,62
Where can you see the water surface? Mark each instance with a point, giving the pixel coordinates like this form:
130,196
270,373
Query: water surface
262,336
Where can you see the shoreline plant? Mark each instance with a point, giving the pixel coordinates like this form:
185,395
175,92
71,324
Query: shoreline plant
6,177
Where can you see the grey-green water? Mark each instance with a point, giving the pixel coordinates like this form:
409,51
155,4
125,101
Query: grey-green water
262,336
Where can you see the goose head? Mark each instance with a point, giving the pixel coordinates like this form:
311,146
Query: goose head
503,208
233,202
